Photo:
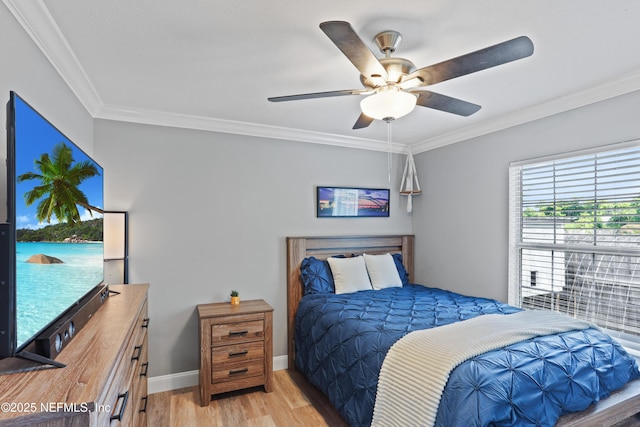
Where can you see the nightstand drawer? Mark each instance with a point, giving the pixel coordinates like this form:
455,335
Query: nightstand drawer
237,370
228,333
237,352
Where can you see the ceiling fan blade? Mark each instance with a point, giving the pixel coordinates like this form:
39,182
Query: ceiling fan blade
491,56
318,95
445,103
363,121
343,35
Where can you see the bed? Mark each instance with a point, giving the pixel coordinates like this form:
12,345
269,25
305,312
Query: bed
355,399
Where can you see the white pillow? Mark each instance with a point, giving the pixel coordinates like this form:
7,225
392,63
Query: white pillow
382,271
349,274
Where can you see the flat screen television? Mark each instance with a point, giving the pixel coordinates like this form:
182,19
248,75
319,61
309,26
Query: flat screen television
51,258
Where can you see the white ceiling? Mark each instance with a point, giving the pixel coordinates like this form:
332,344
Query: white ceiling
212,64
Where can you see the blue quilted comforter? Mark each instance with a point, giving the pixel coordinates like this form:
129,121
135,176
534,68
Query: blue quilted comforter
341,341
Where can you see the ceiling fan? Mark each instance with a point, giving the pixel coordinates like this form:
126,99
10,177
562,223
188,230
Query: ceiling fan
394,86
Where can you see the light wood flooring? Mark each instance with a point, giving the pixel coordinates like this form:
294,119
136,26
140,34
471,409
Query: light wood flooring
289,405
292,403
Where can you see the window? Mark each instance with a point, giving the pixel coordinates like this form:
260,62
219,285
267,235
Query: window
574,230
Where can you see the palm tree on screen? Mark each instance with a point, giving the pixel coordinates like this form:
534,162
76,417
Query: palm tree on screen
59,180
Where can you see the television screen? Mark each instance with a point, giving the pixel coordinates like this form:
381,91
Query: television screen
58,202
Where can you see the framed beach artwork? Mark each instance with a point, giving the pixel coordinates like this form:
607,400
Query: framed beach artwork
337,202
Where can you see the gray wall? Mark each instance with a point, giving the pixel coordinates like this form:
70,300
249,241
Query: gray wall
461,219
209,212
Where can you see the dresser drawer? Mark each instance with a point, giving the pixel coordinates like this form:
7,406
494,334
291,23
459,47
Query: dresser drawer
229,333
237,370
121,395
237,352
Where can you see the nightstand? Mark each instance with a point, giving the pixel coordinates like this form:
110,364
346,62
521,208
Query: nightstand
236,347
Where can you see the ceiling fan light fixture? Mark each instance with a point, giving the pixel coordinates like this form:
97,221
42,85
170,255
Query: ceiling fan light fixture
388,104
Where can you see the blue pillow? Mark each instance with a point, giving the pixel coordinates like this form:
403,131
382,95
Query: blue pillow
316,276
404,276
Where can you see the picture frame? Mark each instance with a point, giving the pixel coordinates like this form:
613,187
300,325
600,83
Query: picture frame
347,202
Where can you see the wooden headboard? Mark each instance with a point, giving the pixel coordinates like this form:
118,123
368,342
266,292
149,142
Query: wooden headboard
298,248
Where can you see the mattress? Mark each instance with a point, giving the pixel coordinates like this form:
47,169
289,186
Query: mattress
342,340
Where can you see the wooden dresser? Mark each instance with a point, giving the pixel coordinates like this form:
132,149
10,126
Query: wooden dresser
236,347
104,382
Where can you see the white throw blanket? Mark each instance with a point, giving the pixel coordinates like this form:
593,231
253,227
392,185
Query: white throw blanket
417,367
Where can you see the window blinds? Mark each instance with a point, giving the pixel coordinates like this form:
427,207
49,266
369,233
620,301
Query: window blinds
575,236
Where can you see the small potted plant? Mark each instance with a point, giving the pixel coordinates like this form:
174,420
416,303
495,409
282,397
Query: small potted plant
235,298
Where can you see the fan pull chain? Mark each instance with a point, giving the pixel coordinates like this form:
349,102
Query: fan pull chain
389,150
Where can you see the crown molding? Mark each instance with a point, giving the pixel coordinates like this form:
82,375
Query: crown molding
161,118
36,20
625,84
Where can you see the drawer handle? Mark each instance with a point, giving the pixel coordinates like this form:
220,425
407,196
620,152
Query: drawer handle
125,397
238,353
137,351
238,333
238,371
145,368
145,323
144,408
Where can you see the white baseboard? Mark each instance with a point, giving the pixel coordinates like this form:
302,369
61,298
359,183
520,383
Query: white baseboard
173,381
191,378
280,363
